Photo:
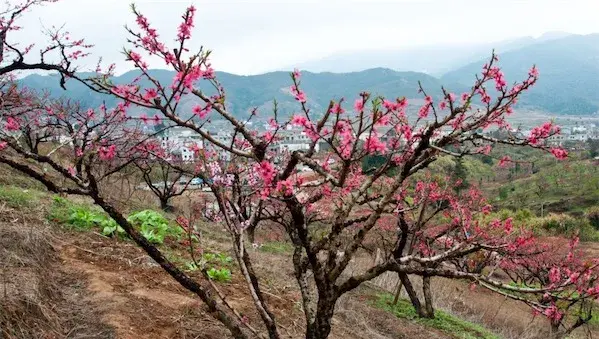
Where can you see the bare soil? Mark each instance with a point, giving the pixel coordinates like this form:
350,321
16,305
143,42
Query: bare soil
61,284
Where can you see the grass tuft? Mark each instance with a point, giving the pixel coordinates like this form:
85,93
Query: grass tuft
15,197
452,325
276,247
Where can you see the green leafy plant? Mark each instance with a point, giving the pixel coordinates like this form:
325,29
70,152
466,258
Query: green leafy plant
192,266
221,275
152,225
110,228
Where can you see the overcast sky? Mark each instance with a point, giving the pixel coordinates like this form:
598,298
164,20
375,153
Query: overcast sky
253,36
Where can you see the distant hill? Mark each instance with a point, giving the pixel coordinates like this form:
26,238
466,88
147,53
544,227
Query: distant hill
247,92
568,83
434,60
569,73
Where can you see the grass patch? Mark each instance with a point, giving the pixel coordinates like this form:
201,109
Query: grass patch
16,197
456,327
276,247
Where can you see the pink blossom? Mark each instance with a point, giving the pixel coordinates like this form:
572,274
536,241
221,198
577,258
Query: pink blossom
373,145
424,110
107,153
534,72
3,145
559,153
267,172
202,112
209,73
284,187
273,123
465,96
553,313
12,124
299,120
504,161
150,93
337,109
484,150
144,118
554,275
186,25
539,133
296,74
359,105
508,225
388,105
135,57
299,94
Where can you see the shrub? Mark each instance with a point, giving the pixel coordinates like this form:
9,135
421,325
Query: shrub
592,215
563,224
523,215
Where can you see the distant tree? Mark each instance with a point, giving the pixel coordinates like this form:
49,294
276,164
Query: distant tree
460,175
426,229
166,178
593,145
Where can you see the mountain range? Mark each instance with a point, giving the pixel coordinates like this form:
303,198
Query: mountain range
568,83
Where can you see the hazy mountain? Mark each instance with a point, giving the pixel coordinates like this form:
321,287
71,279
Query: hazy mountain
434,60
247,92
568,84
569,73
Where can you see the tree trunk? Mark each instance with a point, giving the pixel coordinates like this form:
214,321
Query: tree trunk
397,290
428,298
165,206
321,327
405,281
251,233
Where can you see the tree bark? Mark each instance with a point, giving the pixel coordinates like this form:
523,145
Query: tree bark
321,327
429,311
251,233
405,281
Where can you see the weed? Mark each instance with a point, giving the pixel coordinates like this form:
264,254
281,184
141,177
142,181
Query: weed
221,275
154,226
445,322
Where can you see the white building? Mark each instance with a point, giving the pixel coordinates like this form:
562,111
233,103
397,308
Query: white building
180,141
292,140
